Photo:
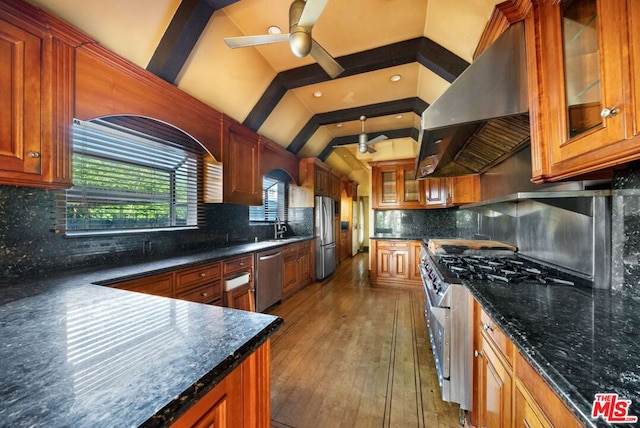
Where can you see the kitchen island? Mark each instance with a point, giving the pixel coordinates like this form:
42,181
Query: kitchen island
580,341
73,353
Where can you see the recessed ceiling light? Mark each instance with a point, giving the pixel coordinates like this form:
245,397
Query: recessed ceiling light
274,30
399,116
317,94
338,125
395,78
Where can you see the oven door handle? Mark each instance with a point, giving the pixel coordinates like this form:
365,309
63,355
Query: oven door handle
441,313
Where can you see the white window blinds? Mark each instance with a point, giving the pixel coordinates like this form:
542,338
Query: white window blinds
127,180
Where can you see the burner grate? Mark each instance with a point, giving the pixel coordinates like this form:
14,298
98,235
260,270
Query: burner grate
502,269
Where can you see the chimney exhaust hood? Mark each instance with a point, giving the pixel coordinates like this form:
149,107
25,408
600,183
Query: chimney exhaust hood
482,117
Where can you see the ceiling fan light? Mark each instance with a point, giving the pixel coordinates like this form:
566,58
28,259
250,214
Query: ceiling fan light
362,148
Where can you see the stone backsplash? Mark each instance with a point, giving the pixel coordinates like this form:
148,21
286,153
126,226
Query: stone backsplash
28,243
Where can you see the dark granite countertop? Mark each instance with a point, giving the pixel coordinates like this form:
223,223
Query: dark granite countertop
581,341
73,353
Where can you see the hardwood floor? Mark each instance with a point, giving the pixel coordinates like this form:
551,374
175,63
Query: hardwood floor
350,355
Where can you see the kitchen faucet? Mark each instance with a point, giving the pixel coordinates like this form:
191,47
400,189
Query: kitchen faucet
280,228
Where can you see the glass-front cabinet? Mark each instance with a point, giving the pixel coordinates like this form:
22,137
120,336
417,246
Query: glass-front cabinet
580,74
394,185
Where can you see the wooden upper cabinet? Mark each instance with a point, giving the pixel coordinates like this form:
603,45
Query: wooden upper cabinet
581,79
394,186
435,190
242,182
36,106
463,189
316,179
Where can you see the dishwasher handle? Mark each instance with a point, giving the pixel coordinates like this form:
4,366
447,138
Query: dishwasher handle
270,256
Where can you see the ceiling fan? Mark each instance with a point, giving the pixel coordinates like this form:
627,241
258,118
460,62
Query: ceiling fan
364,145
302,17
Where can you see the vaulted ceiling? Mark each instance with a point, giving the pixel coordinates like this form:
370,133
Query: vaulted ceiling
428,43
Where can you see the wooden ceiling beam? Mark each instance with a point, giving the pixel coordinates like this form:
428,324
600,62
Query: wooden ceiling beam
441,61
181,35
415,105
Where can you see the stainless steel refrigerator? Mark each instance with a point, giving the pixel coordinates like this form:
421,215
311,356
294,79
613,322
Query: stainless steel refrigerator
325,236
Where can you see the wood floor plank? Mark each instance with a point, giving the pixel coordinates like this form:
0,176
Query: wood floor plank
350,355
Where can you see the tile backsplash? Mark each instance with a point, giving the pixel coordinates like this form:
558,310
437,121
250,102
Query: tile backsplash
28,243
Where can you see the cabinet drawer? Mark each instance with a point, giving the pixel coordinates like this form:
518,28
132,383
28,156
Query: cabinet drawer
496,337
237,264
208,293
193,277
394,245
159,285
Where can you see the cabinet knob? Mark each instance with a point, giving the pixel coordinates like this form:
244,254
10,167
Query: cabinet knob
202,274
477,353
33,154
204,294
487,327
609,112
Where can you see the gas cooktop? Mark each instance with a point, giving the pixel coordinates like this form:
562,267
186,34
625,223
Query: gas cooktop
511,269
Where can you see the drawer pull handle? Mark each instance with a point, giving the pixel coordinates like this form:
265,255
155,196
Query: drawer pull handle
477,353
487,327
202,274
204,294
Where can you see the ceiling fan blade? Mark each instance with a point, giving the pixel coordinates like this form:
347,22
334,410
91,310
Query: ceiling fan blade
371,149
311,12
325,60
377,139
244,41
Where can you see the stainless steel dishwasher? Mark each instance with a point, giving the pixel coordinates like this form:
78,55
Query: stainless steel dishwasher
268,278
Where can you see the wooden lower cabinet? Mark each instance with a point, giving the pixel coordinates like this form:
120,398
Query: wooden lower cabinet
394,263
242,298
296,267
507,391
527,412
494,388
240,400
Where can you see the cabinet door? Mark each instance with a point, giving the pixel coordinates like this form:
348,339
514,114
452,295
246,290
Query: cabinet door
290,275
414,263
527,413
242,182
240,298
384,263
411,189
20,118
304,265
435,192
400,264
583,74
321,182
494,390
389,195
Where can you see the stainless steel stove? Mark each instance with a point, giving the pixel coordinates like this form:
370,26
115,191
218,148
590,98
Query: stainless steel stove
448,305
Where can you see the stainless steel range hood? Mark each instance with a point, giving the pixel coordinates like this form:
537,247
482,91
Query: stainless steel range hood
482,117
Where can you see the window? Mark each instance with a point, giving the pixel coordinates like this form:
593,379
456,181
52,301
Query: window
127,180
274,204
